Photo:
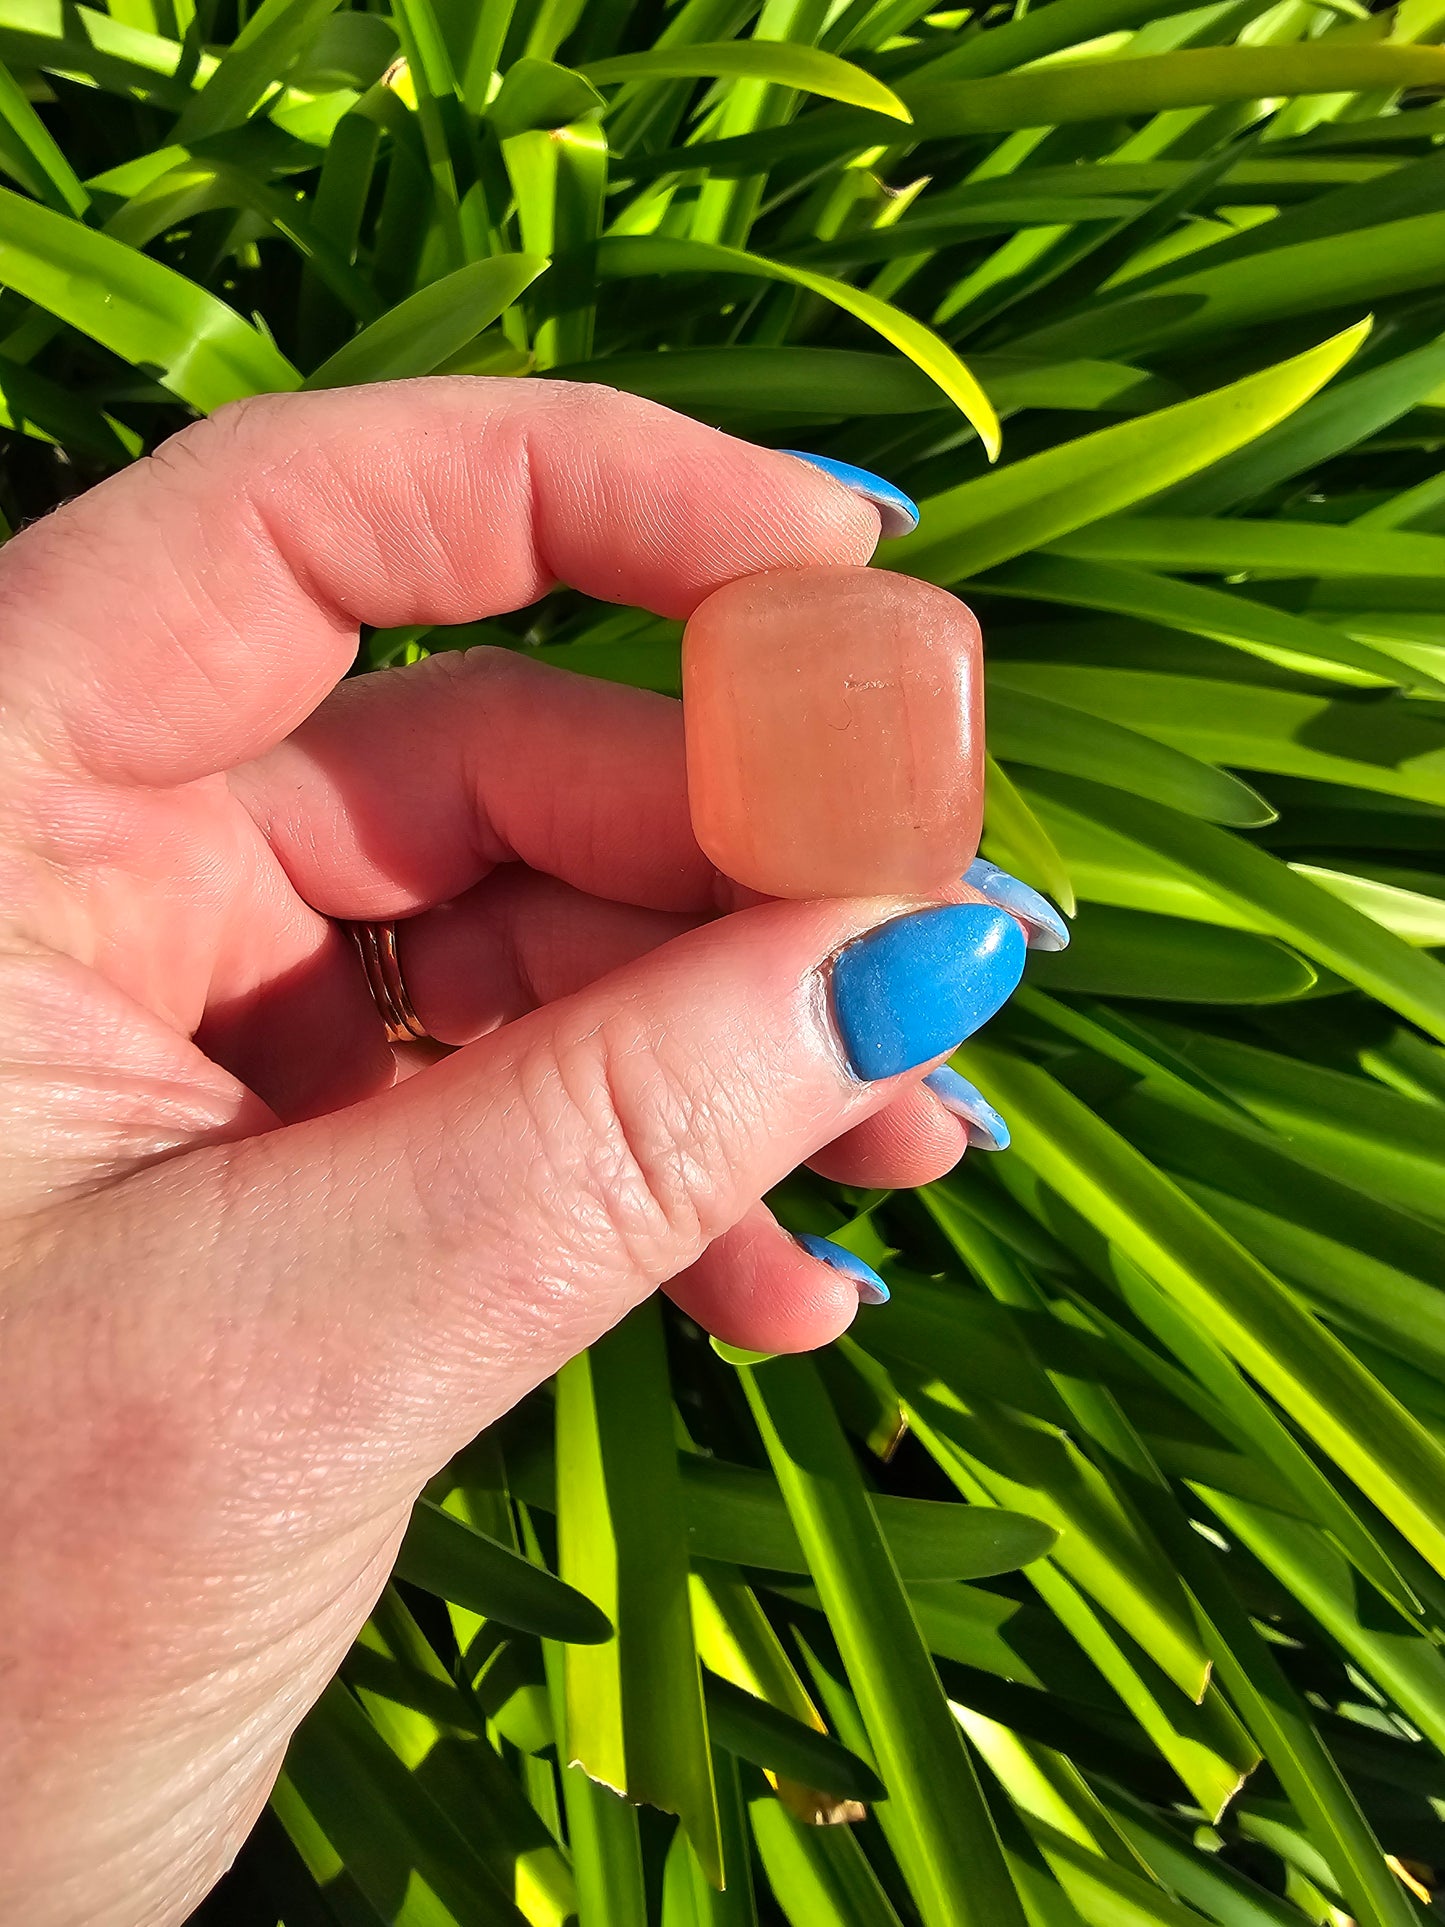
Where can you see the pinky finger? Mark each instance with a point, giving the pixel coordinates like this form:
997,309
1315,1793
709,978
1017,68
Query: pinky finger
760,1288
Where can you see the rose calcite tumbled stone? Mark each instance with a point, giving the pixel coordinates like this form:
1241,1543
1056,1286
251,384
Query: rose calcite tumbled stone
834,722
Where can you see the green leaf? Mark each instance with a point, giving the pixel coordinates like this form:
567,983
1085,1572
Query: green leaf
450,1559
1015,835
625,256
383,1825
1064,93
1030,36
747,379
819,1876
560,181
1104,1547
438,1735
197,187
1399,1656
1036,730
1381,744
147,313
1272,898
1073,1831
461,223
1061,92
688,1900
33,405
270,43
1389,1145
737,1515
29,153
738,1644
1181,545
1395,258
1006,1637
635,1717
430,326
1200,1879
1256,1319
1348,412
1125,953
754,1730
539,94
808,69
945,1835
983,522
1351,1287
1326,1805
82,43
1240,1412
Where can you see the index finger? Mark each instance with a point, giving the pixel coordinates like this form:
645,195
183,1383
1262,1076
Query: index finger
190,612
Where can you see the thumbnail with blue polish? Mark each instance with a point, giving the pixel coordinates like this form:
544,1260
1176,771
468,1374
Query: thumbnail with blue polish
871,1288
897,512
916,987
1047,929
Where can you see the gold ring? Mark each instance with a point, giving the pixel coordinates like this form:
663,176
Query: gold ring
377,944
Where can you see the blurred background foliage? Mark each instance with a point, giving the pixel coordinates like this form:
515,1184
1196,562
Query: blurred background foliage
1100,1580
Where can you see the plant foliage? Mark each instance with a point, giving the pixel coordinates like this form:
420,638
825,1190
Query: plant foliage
1099,1581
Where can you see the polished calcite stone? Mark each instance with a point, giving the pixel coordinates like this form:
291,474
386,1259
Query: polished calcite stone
834,723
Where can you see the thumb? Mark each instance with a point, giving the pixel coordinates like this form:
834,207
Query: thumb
430,1255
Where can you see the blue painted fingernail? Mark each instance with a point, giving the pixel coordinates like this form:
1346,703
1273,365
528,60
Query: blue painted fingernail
986,1129
916,987
897,512
1047,929
871,1288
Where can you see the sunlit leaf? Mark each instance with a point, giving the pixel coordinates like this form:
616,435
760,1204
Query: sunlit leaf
1030,502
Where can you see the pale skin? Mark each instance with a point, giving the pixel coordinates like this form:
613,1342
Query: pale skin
263,1274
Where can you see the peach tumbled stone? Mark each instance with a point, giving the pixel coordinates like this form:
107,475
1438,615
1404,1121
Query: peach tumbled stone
834,722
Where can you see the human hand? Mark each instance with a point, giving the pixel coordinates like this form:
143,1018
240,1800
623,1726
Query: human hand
260,1285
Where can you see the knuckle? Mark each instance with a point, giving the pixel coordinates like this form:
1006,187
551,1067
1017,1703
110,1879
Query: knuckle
467,673
217,436
637,1127
578,397
585,408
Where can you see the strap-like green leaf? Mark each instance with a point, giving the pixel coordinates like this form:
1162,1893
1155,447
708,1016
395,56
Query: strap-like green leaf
635,1718
420,333
952,1857
782,62
29,153
1256,1318
655,254
1034,729
272,40
457,1563
141,310
984,522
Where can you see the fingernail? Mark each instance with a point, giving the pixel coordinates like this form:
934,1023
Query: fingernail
1047,929
871,1288
986,1129
916,987
897,512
